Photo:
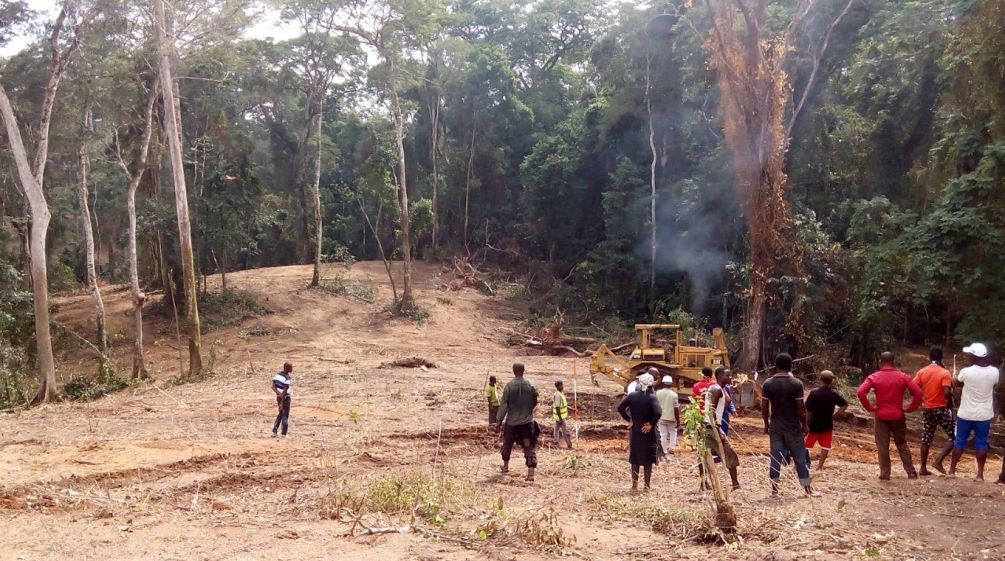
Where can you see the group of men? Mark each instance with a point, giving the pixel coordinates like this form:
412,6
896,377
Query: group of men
512,412
794,423
786,421
932,389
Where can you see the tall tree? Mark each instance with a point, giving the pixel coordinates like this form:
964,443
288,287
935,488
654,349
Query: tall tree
753,84
31,176
172,129
394,29
84,157
317,58
135,177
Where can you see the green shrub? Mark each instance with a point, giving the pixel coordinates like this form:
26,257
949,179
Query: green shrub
340,285
409,492
219,309
17,382
85,389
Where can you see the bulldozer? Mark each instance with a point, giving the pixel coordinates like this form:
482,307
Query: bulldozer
683,360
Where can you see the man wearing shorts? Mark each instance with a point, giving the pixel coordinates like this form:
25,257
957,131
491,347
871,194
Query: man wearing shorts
820,405
976,406
937,386
716,403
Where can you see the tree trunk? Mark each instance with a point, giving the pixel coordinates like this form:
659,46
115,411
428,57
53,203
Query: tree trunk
753,84
467,184
725,515
92,277
380,246
223,269
40,279
652,186
172,128
139,367
316,192
407,302
753,333
163,269
434,110
301,187
40,216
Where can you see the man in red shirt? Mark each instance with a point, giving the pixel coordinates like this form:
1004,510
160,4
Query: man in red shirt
937,384
889,385
699,388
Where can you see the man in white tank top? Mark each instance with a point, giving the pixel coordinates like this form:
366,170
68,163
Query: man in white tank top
716,401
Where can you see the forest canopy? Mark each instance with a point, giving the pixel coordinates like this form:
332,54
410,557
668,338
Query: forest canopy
816,176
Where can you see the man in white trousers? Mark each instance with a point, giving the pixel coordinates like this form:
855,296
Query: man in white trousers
670,421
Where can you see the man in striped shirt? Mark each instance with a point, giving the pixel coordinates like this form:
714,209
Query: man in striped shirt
281,387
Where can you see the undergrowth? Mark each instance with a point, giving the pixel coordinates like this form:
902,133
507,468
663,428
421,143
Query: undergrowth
539,529
220,309
416,314
408,494
340,285
17,382
80,388
677,522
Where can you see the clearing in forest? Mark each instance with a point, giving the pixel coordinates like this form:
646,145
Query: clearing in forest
397,463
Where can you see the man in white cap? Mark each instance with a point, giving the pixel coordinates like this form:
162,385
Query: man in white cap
976,406
670,420
633,386
643,413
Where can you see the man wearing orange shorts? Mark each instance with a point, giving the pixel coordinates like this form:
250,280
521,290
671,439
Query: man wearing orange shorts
820,405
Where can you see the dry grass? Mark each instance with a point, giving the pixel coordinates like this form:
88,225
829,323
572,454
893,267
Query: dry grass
540,529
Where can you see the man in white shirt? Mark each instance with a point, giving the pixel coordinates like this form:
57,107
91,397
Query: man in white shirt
281,387
670,405
976,406
633,386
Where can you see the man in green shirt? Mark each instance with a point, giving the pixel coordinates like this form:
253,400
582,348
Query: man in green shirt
560,414
492,395
516,415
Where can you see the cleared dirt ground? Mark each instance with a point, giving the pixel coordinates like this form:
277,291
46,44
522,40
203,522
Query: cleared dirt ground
168,471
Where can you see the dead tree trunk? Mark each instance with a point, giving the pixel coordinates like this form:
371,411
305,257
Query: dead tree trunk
753,82
139,366
172,129
85,223
316,192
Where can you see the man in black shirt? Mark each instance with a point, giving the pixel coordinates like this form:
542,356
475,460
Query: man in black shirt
820,404
785,421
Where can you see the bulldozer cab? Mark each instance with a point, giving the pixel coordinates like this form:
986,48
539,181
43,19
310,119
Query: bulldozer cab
648,348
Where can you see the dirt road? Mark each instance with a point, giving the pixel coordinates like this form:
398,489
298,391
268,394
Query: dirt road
397,464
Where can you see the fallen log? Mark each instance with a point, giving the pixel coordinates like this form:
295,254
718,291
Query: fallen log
624,346
411,362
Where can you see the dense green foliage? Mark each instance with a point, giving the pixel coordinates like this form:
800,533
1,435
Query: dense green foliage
528,148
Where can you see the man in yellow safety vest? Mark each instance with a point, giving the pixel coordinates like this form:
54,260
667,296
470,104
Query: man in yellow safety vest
560,414
492,395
